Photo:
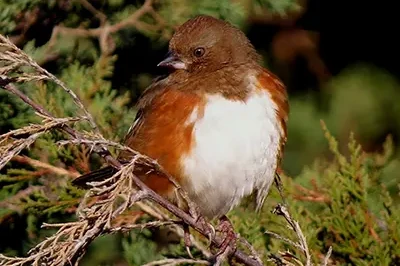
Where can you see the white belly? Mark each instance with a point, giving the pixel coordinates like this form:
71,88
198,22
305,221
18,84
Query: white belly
235,152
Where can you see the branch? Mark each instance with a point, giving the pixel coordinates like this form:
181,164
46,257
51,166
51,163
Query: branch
101,16
102,151
105,30
129,227
294,225
14,58
327,257
9,149
173,262
311,195
132,19
11,203
30,17
39,164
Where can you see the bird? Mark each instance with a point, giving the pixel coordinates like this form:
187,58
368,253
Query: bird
217,122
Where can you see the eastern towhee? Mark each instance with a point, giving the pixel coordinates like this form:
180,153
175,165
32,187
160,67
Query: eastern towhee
216,123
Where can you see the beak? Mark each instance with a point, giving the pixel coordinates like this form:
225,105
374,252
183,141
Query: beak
172,61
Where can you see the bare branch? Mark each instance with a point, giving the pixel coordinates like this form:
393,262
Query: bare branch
10,147
132,19
94,11
284,239
254,253
173,262
12,202
139,226
155,212
294,225
103,32
13,58
39,164
68,244
327,257
74,134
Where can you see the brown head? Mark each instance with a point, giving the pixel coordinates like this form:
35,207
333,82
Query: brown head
205,44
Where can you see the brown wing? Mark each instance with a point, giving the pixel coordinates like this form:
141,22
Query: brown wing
156,88
277,90
275,87
144,101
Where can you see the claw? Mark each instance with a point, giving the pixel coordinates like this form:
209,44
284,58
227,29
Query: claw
211,234
186,239
210,230
228,245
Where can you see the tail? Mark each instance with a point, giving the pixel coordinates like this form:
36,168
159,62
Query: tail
97,175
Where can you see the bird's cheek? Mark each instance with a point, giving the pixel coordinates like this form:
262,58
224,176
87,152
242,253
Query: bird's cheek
190,67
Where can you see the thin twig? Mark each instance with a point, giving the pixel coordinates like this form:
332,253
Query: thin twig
11,146
16,53
251,248
173,262
294,225
327,257
12,202
39,164
129,227
8,151
284,239
105,30
100,15
69,130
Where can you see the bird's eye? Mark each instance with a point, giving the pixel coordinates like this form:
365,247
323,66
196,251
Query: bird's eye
199,52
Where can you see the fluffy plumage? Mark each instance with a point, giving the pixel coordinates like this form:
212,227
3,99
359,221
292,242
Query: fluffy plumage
217,123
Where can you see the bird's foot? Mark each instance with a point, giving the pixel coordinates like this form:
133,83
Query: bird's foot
228,245
187,240
207,227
